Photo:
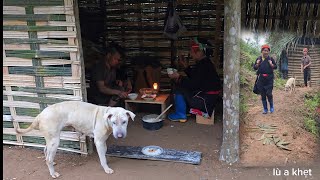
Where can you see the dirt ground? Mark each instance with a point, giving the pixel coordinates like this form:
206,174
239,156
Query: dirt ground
257,161
289,121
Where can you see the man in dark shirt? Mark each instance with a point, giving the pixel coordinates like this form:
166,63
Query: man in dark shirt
201,88
105,87
305,67
265,65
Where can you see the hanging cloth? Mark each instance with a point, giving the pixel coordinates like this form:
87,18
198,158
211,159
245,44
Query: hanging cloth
173,24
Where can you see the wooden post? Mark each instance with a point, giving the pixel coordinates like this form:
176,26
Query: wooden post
231,87
78,41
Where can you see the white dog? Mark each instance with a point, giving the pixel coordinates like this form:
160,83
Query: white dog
290,85
92,120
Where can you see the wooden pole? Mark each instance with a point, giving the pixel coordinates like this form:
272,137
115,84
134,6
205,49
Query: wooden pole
231,87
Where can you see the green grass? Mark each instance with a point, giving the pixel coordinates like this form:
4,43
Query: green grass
311,125
248,57
311,103
243,104
279,83
250,53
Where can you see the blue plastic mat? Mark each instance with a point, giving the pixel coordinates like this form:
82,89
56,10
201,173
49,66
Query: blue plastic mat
134,152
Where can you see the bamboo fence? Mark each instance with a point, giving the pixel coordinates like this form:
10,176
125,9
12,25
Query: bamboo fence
41,66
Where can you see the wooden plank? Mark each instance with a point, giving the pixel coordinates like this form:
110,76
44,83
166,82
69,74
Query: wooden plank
15,34
53,10
33,28
64,48
41,71
190,157
18,80
29,54
78,42
65,97
57,34
17,118
19,93
48,62
56,23
14,23
32,3
41,99
34,41
71,80
16,47
62,82
65,135
13,61
42,90
34,17
21,104
42,146
13,10
7,118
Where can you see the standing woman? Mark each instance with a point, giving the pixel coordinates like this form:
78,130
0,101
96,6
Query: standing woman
265,65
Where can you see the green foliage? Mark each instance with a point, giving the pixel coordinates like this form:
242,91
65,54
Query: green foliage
311,125
243,104
311,103
279,82
249,55
279,41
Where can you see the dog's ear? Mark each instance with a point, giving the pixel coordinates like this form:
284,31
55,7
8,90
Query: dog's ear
107,116
130,114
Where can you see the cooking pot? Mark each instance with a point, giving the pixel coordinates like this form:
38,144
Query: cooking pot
150,123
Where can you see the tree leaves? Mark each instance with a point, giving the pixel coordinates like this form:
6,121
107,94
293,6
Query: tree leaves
269,138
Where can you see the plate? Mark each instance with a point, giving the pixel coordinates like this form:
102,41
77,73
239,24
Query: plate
152,150
148,97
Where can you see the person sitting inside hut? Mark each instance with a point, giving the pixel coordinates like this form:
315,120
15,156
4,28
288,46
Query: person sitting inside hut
106,88
147,71
201,87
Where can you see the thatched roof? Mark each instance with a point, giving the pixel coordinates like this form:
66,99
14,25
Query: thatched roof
301,17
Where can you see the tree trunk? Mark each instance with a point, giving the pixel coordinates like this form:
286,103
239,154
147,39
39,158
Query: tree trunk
231,87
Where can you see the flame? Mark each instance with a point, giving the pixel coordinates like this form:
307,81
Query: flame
155,86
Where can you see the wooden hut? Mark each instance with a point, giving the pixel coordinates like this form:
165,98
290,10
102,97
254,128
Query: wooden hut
43,61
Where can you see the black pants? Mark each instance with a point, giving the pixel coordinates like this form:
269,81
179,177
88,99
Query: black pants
284,74
202,101
265,86
306,76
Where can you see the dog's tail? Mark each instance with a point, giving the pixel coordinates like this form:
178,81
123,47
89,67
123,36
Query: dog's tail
34,124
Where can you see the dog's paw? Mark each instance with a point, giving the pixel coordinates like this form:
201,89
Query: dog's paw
55,175
108,171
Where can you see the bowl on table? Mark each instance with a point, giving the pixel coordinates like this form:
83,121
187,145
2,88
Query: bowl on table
132,96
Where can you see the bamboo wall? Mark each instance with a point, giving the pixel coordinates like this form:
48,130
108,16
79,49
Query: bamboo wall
294,63
41,66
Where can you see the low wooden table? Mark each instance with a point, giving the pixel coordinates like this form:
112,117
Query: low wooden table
161,99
